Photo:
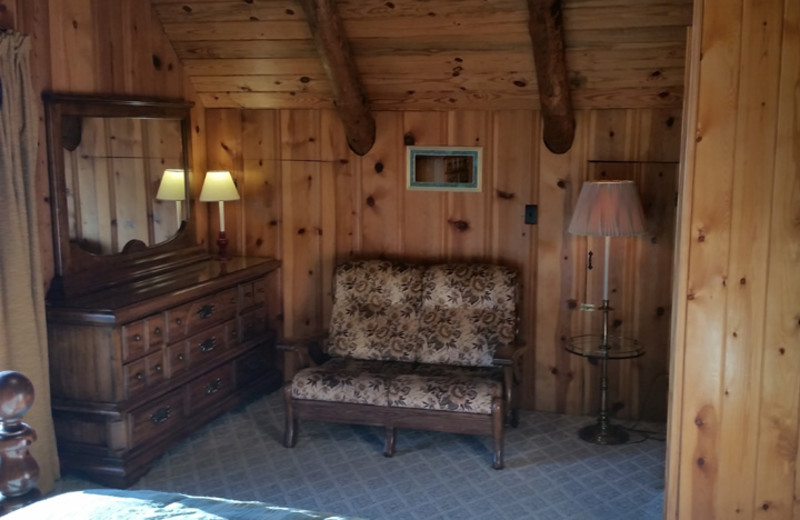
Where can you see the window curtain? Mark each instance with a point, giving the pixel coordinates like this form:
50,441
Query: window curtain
23,333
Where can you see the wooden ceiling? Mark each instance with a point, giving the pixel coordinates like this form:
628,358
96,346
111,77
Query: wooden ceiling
430,54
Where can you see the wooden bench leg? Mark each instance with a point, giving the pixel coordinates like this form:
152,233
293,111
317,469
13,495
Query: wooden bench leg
290,431
391,435
498,417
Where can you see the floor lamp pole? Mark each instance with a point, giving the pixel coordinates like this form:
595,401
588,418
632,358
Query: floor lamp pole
604,432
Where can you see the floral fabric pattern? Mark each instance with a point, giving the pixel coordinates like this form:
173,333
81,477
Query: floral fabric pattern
376,310
445,388
468,311
344,380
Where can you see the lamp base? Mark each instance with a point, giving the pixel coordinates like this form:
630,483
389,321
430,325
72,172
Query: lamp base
599,433
222,244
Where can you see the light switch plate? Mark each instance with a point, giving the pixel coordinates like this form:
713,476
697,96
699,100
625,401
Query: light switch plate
531,213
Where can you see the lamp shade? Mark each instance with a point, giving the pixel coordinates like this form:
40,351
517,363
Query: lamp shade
173,186
608,209
218,186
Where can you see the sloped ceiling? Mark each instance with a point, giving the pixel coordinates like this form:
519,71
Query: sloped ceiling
430,54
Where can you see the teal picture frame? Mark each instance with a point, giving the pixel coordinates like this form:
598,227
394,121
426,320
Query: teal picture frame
444,168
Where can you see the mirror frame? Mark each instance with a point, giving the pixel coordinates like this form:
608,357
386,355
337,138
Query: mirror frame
78,271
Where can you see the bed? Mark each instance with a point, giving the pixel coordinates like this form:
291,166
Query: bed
103,504
19,496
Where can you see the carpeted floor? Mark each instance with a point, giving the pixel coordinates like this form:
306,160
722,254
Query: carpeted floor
550,474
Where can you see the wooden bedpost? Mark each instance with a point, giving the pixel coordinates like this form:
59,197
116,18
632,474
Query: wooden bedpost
19,473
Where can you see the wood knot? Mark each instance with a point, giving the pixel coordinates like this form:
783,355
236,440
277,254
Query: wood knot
743,281
371,201
290,12
670,121
378,167
460,225
663,95
259,242
408,140
156,62
660,311
572,304
520,83
554,371
304,79
617,323
507,195
561,184
698,422
187,9
273,222
701,461
301,231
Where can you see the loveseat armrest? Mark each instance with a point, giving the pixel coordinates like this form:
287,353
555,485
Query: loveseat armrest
299,353
510,359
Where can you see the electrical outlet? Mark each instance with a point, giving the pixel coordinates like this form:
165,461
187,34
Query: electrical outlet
531,213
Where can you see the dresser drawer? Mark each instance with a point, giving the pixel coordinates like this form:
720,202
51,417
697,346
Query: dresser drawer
207,345
252,325
140,337
177,358
209,388
156,418
228,303
142,373
197,315
253,365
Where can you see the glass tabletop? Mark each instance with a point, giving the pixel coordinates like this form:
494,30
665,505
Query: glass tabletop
591,346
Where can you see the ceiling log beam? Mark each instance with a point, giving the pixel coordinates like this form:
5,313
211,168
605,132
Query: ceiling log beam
349,97
546,27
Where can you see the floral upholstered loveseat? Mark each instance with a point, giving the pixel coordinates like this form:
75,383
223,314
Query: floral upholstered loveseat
412,346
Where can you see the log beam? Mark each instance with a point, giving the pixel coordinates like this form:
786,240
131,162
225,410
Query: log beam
349,97
547,35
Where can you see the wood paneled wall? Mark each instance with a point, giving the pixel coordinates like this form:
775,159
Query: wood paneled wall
96,46
311,202
734,422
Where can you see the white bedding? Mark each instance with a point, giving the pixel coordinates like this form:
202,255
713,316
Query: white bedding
108,504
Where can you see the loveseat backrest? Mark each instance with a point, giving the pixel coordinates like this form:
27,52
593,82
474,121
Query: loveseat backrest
375,311
468,311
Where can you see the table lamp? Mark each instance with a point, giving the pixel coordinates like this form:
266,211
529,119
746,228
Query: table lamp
606,209
173,187
218,186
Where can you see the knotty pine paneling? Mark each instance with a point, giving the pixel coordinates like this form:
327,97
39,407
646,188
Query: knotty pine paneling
734,425
330,205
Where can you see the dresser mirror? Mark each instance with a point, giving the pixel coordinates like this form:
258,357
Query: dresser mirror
119,197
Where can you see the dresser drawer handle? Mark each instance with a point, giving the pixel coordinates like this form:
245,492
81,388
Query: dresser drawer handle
137,337
213,387
158,368
208,345
139,376
157,331
178,321
205,311
160,415
180,357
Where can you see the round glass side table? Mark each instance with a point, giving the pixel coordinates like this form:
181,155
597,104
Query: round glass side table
604,348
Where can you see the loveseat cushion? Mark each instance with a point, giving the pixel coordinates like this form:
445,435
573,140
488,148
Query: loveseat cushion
438,387
468,311
375,311
347,381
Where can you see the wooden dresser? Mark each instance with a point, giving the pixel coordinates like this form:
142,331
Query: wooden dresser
136,367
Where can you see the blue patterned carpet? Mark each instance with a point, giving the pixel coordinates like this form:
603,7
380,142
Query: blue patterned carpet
550,474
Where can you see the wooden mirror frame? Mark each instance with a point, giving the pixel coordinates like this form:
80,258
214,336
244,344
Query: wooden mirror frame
78,271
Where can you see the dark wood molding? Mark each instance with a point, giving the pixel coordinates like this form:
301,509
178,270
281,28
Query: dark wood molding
349,97
547,35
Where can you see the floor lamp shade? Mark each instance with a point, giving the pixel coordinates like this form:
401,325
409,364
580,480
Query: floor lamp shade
608,209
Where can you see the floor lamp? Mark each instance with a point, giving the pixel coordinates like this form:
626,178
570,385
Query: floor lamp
219,186
606,209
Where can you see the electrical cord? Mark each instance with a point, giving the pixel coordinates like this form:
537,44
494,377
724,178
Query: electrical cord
647,434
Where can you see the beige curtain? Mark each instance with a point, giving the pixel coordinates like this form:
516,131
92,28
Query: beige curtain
23,333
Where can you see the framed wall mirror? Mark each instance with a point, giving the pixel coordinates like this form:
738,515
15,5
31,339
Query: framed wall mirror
119,188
